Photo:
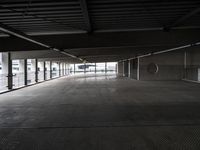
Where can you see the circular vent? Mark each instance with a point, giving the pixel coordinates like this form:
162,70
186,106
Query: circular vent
152,68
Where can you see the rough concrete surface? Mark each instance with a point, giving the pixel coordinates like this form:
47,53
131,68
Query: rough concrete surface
101,113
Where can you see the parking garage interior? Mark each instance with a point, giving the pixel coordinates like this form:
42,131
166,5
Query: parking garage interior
99,75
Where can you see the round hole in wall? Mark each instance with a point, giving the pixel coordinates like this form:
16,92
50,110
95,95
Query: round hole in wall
152,68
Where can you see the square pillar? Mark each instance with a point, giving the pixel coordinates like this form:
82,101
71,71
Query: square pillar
25,72
36,70
74,68
59,69
50,64
45,70
84,68
9,67
138,68
63,69
129,68
105,67
95,69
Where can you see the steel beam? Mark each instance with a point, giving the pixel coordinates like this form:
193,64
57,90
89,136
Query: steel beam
11,31
86,15
183,18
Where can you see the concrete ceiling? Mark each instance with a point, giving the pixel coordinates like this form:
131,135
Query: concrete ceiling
96,30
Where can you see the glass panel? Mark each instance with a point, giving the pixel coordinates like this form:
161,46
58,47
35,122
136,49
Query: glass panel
90,68
55,69
47,74
31,71
3,72
79,68
18,73
100,67
40,71
111,67
3,82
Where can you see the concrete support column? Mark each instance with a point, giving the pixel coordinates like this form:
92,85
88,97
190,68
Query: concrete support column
185,65
50,66
63,69
105,67
95,69
120,69
25,72
84,68
45,70
68,69
138,68
125,68
123,73
129,68
59,68
36,70
74,69
7,65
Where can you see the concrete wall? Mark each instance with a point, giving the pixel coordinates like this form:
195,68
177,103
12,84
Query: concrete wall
175,65
170,66
120,68
133,68
193,63
126,63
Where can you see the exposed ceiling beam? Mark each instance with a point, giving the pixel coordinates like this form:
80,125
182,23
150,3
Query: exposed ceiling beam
183,19
133,39
38,16
11,31
86,15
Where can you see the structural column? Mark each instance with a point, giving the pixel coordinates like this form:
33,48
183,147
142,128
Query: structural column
129,68
59,69
7,68
45,70
74,69
138,68
105,67
95,69
50,66
63,69
185,64
25,72
36,70
84,68
126,68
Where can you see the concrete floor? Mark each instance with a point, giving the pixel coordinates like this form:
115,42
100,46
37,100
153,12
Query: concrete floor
101,113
